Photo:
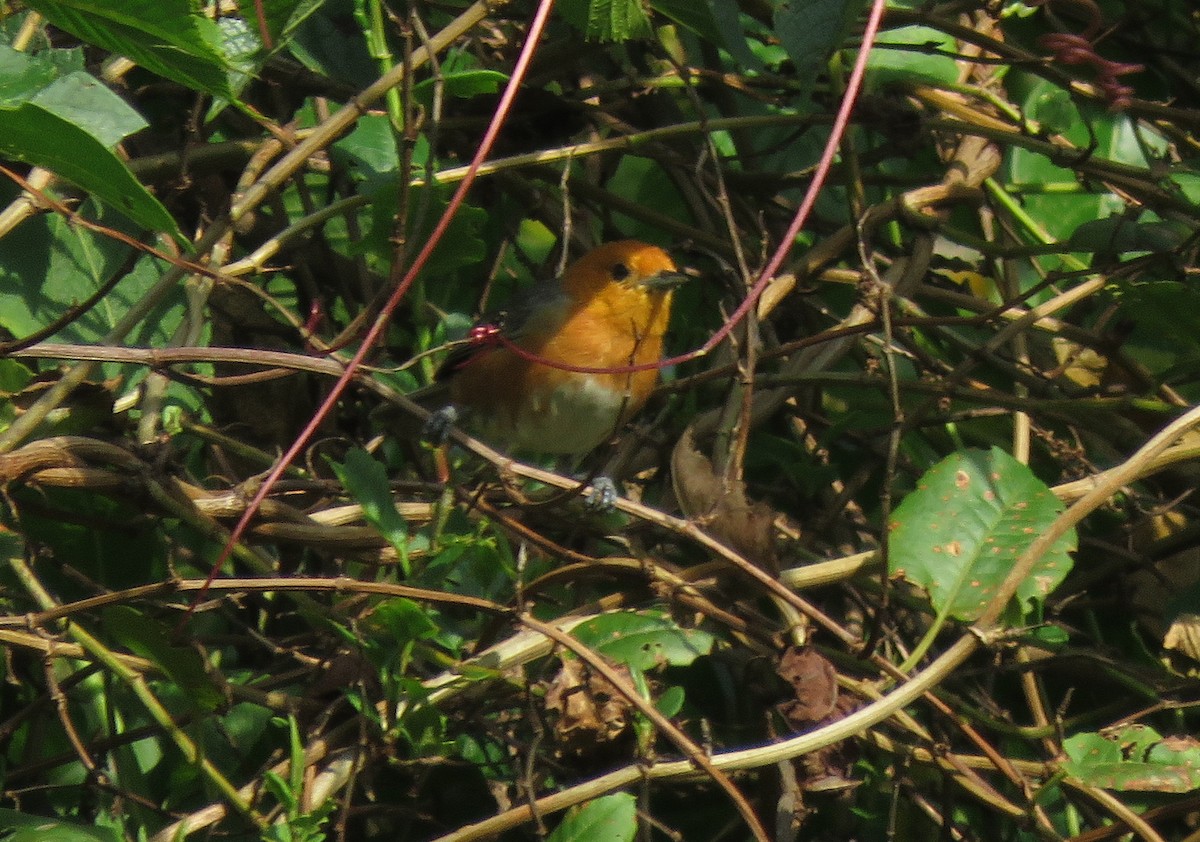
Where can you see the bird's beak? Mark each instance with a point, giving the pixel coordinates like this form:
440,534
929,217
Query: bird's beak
664,280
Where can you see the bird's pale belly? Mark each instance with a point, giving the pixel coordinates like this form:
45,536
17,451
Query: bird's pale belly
575,416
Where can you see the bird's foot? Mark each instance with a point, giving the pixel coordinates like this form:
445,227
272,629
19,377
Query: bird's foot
437,428
603,496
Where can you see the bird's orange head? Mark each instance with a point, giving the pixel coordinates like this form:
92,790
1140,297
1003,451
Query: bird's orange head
626,267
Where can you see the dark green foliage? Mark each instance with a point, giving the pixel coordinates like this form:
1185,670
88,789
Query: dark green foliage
363,667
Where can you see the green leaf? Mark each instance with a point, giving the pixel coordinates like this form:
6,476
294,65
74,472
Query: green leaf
106,540
462,85
149,639
1098,133
420,723
242,44
48,264
1187,184
34,135
326,44
404,619
649,184
278,787
810,30
370,149
730,32
488,756
169,37
51,83
21,827
1164,320
887,67
1134,759
243,50
700,16
644,640
670,701
607,20
1117,235
283,18
296,752
84,101
462,244
14,376
23,75
1055,109
366,481
972,515
612,818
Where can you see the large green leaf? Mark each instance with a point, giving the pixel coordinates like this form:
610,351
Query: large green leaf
1094,132
48,265
169,37
810,30
972,515
644,639
148,638
607,20
912,55
1135,759
612,818
56,81
81,98
58,117
36,136
23,75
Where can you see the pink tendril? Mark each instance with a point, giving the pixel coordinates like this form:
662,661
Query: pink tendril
1079,49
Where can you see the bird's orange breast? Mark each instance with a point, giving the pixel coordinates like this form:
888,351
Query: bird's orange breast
532,406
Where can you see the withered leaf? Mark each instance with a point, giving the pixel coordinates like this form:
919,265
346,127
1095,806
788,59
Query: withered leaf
590,711
722,506
814,683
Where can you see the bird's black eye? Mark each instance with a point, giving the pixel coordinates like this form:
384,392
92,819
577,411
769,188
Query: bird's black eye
620,272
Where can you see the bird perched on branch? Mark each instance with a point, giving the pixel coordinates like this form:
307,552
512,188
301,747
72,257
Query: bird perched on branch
552,375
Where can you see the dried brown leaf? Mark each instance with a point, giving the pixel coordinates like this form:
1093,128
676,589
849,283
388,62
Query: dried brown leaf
589,712
721,506
814,684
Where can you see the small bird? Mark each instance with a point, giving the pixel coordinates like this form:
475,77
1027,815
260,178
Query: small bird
609,310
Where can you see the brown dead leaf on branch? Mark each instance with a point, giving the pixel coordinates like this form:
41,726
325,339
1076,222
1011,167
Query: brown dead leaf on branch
590,712
721,506
814,684
815,701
